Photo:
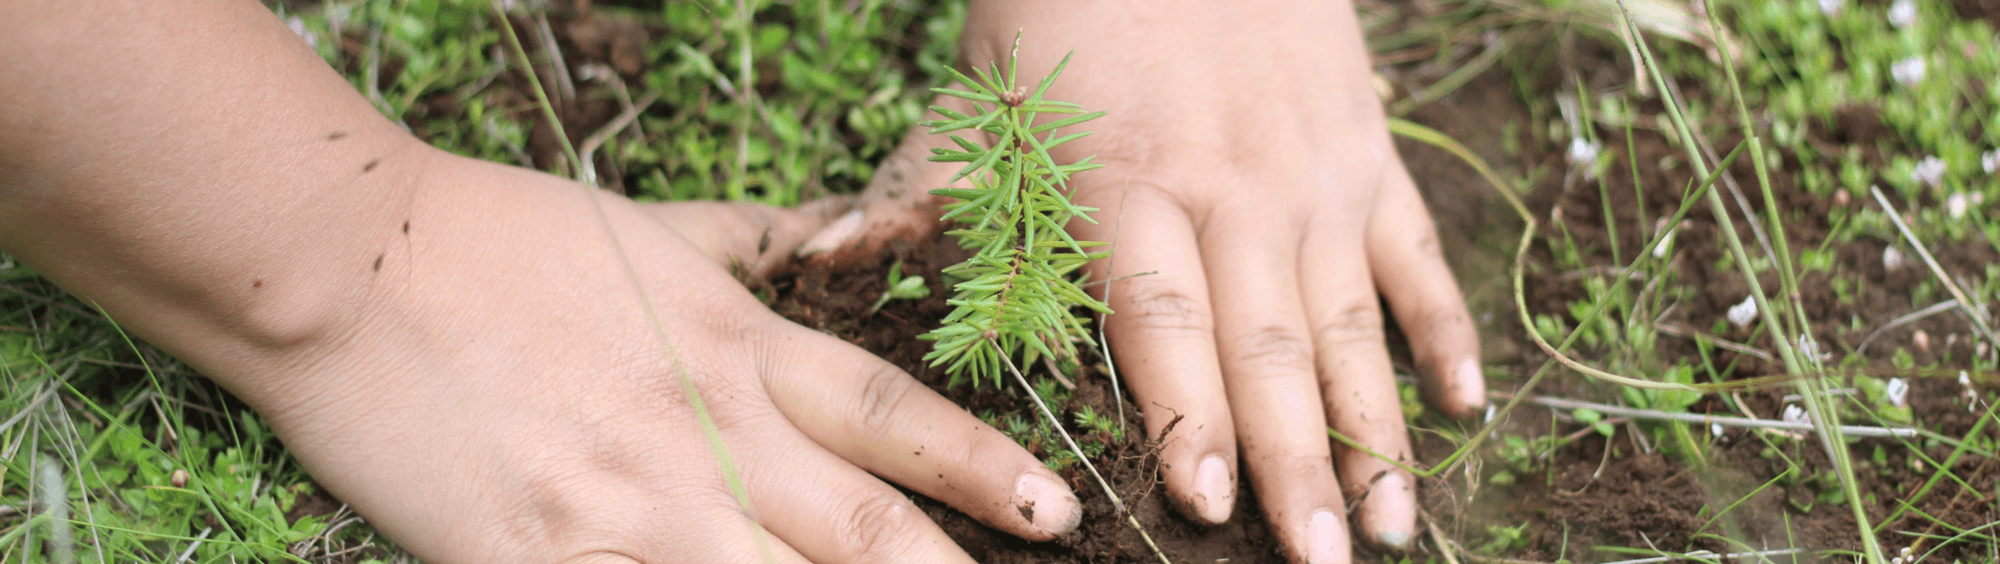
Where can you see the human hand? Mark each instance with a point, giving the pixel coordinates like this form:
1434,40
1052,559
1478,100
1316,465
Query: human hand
505,398
1248,163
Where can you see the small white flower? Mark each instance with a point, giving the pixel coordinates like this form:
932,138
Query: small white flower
1990,161
1797,415
1810,348
298,26
1742,314
1892,259
1582,151
1898,392
1909,72
1929,171
1715,429
1957,204
1831,7
1903,13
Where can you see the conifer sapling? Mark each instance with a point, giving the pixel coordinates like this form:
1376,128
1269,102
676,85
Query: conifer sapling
1019,288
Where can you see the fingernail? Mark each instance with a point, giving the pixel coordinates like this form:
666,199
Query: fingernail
1470,382
834,235
1391,510
1047,504
1326,539
1215,493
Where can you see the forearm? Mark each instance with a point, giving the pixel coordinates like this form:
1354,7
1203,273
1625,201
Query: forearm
195,169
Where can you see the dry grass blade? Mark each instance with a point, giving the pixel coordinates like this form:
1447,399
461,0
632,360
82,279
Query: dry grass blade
1704,419
1965,303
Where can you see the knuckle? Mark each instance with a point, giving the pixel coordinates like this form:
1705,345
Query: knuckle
1275,346
1154,307
1357,322
881,398
877,527
1425,245
1296,474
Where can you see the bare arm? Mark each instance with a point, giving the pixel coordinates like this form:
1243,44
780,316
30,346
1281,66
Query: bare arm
197,171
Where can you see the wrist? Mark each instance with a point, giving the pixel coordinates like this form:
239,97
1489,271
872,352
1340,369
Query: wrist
247,278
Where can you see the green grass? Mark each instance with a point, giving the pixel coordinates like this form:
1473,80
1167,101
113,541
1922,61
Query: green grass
829,88
1795,87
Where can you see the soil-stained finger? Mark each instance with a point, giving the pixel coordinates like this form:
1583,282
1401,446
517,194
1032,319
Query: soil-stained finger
1404,256
877,417
1162,337
833,512
898,203
1352,362
1267,360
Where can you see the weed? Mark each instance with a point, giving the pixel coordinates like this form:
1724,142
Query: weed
901,288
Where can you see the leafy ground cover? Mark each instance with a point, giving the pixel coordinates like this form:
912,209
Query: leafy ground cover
121,454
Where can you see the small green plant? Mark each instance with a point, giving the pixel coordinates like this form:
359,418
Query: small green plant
901,288
1017,291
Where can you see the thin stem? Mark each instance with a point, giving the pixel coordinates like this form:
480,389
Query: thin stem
541,96
1723,420
1116,503
713,434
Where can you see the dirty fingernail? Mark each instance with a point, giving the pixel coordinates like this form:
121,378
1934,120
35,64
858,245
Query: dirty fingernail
1392,512
1215,493
1047,504
1470,382
1326,539
834,235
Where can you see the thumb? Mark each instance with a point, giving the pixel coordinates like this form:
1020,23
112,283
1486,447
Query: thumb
754,237
897,204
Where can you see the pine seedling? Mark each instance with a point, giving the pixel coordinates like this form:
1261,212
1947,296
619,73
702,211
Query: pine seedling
1019,287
